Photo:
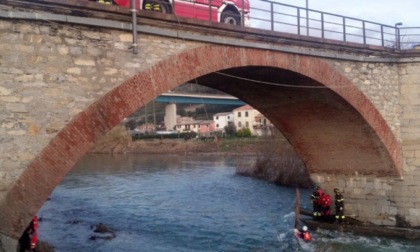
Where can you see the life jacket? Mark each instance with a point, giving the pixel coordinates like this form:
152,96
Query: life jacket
319,199
325,201
306,236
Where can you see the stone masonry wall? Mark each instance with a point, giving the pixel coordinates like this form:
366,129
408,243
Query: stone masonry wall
380,83
51,72
395,91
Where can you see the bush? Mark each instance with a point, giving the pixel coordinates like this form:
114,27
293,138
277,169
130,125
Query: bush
117,134
188,135
230,130
277,163
245,132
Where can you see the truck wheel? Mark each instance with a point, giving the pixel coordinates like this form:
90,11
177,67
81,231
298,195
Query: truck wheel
164,8
159,7
229,17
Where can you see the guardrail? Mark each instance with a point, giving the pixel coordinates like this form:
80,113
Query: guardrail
307,22
270,15
409,38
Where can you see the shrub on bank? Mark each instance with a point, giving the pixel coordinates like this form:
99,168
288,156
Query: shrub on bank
183,135
245,132
276,162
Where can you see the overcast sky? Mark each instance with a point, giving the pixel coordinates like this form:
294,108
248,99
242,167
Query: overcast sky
387,12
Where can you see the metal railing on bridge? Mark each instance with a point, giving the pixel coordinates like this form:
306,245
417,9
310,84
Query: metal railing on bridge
279,17
308,22
408,38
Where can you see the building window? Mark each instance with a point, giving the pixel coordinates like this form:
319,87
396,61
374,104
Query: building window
228,117
246,113
247,124
239,114
239,124
217,117
217,125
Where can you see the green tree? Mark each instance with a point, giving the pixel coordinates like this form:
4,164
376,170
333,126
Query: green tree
230,130
245,132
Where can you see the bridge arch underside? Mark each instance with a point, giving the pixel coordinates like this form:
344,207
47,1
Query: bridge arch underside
334,129
327,132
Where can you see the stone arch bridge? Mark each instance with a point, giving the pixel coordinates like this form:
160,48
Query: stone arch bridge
351,112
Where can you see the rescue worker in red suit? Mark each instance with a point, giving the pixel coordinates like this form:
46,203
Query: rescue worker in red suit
325,202
34,238
315,206
339,206
303,234
29,238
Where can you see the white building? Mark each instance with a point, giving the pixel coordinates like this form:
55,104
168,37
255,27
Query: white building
222,120
263,126
244,117
187,124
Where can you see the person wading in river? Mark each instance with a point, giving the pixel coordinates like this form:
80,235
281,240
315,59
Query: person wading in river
303,234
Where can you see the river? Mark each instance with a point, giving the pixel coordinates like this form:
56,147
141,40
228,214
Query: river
181,203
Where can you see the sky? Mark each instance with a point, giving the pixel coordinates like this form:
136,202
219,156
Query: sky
386,12
374,13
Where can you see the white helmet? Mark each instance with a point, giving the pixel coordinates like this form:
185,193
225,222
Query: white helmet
305,228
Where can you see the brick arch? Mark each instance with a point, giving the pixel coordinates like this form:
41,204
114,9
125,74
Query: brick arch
47,170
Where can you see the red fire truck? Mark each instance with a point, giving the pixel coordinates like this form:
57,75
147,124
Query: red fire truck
224,11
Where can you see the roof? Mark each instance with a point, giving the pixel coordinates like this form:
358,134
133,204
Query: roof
245,107
223,113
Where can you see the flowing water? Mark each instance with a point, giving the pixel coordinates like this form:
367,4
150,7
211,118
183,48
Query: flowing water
171,203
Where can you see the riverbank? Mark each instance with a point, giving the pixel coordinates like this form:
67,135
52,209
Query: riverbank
119,141
180,146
